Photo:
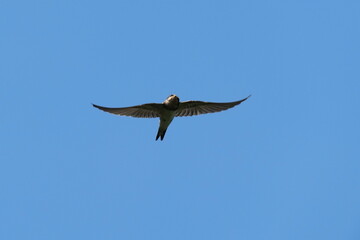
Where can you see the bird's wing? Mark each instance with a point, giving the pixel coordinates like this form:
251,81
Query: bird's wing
149,110
190,108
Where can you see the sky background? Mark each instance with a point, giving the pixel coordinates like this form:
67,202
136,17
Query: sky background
284,164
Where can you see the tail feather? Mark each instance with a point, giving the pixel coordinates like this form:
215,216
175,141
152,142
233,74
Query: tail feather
161,134
164,123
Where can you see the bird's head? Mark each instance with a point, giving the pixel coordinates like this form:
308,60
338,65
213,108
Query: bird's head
172,96
172,102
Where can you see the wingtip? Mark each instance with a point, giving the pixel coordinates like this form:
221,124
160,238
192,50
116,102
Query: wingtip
242,100
95,106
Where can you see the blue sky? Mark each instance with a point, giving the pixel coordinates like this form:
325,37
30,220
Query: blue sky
282,165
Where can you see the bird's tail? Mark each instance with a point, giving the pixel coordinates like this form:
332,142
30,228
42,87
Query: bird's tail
161,134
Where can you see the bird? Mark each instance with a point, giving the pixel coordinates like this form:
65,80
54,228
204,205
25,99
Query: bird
170,108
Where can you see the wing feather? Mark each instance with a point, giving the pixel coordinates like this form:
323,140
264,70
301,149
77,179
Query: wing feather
149,110
190,108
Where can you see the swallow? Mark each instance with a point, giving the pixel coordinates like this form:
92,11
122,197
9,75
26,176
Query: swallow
170,108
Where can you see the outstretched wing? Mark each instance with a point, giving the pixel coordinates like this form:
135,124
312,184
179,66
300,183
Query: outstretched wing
191,108
150,110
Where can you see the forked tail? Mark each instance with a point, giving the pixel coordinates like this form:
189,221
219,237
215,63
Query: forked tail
161,134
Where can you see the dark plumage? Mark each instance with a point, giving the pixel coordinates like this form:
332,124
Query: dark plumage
170,108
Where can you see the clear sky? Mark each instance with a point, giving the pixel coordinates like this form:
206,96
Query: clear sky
284,164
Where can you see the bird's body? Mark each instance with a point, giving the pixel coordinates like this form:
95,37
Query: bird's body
170,108
165,121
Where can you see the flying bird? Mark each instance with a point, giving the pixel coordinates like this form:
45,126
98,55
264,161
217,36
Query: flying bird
170,108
